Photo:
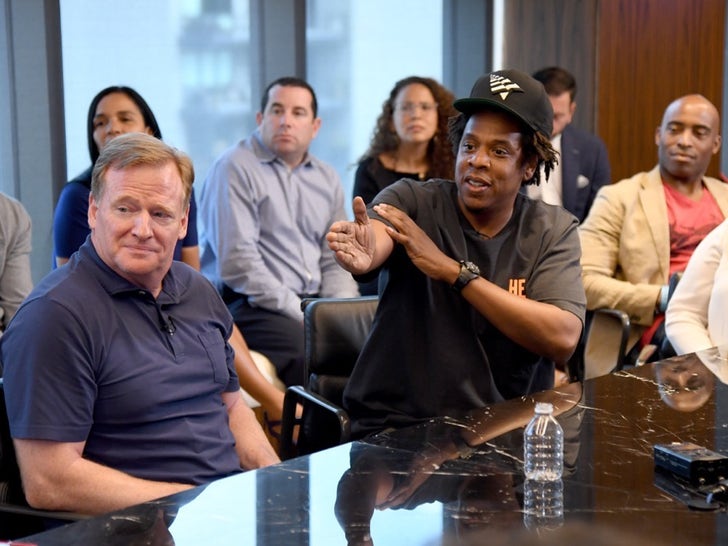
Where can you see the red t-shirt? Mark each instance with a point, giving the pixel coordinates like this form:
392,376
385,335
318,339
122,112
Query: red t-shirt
689,222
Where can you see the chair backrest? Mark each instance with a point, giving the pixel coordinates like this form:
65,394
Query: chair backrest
335,330
606,342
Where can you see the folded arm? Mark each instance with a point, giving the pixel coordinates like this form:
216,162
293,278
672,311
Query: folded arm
601,237
56,477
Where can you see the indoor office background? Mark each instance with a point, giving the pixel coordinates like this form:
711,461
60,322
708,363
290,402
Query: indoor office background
202,65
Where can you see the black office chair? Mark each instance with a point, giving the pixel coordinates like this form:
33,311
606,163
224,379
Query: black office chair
17,518
335,330
605,347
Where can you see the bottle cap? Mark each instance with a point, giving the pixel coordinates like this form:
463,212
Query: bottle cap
544,407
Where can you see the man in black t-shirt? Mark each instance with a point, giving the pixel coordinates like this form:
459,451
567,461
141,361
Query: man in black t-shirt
483,294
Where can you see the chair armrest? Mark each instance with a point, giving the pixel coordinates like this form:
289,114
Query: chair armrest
310,402
606,340
623,318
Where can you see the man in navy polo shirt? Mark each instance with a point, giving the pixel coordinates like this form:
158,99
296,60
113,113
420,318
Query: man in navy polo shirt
120,385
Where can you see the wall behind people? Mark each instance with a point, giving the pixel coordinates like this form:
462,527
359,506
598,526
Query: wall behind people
555,33
629,57
32,146
666,48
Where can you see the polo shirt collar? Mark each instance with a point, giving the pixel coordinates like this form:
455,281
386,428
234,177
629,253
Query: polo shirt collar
116,285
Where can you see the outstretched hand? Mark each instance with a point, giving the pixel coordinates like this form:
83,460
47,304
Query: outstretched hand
354,242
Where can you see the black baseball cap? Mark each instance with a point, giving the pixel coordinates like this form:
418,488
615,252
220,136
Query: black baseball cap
515,92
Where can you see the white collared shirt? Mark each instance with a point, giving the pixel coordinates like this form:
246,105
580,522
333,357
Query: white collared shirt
549,191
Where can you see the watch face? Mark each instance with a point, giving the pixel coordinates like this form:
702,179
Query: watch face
470,266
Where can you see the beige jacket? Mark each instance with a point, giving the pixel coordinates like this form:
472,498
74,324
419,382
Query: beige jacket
625,243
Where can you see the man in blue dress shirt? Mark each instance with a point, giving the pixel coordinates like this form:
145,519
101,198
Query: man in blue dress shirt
265,208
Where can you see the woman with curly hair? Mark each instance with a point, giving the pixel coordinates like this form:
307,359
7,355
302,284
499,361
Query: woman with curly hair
410,138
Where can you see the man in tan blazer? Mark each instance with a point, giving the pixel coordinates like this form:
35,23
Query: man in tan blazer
644,228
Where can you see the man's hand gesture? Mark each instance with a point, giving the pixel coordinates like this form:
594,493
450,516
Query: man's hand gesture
354,242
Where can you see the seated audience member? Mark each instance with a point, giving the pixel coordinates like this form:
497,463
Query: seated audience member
265,207
410,138
409,141
119,383
483,292
15,278
115,111
696,316
583,165
643,229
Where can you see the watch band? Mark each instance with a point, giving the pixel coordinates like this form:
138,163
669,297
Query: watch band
468,272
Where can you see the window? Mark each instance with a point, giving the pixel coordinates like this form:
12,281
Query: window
188,58
354,57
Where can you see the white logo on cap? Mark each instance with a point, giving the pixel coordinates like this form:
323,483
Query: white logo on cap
502,86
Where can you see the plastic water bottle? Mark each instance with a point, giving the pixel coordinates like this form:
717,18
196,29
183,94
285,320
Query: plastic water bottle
543,446
543,504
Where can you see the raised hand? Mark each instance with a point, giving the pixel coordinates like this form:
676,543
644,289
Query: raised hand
354,242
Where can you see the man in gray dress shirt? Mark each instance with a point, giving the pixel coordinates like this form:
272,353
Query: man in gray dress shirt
264,210
15,281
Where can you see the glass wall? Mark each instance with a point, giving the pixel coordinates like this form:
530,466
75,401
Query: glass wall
189,59
356,51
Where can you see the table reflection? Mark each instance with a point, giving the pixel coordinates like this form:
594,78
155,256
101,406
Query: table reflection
449,481
478,488
684,383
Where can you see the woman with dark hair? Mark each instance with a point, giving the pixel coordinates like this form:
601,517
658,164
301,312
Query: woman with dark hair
410,138
113,111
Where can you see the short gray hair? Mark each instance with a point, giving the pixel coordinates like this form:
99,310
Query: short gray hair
140,149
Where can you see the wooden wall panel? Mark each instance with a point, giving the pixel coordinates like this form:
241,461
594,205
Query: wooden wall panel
630,59
539,33
650,52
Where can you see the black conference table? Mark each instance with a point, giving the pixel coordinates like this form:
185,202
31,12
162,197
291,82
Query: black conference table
411,486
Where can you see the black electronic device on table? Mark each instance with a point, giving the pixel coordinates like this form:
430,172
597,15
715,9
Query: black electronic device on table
696,464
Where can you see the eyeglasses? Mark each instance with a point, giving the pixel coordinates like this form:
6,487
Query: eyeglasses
410,107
